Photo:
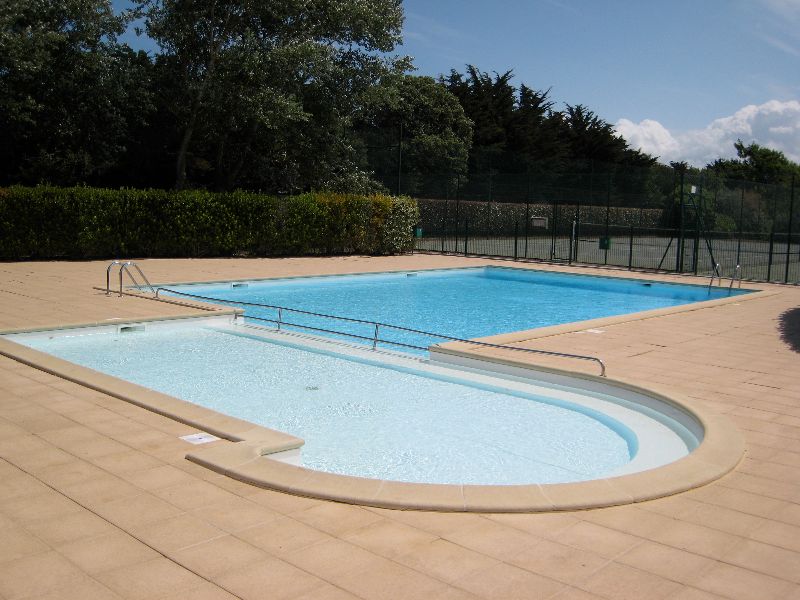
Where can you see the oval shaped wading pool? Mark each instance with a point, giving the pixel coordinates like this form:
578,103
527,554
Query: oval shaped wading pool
378,423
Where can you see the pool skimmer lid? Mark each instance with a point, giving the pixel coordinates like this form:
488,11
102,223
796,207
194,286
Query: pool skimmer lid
200,438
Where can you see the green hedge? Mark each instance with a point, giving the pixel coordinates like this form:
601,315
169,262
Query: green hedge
81,222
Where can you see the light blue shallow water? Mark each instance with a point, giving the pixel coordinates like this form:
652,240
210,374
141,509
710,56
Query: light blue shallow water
358,418
462,303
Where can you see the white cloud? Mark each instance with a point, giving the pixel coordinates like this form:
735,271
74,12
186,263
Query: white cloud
774,124
787,9
421,27
649,136
563,6
778,24
781,45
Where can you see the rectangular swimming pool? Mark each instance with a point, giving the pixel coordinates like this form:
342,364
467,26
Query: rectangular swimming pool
461,303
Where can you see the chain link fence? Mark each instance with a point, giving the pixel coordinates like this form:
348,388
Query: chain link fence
658,220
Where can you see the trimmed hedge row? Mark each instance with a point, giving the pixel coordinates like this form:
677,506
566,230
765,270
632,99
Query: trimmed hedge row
81,222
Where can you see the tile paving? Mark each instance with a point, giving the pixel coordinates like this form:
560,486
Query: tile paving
97,500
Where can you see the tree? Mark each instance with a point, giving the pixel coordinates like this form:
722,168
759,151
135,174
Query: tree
253,78
436,134
69,93
590,138
534,139
519,131
489,102
752,190
756,163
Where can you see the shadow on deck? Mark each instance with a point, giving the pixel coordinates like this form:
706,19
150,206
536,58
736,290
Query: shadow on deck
789,326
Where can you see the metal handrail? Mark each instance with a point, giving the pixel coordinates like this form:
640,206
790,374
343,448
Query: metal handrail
108,275
737,274
716,272
375,338
141,274
125,267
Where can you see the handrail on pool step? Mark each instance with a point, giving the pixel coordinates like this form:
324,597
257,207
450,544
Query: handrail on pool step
375,338
125,267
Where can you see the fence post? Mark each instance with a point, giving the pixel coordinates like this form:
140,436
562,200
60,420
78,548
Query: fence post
789,234
466,235
608,216
741,229
444,223
679,253
630,248
553,230
400,159
771,247
527,222
577,227
572,240
516,233
527,185
488,215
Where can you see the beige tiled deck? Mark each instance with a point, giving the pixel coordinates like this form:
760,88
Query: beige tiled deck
97,500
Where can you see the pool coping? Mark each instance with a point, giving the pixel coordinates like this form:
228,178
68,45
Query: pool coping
553,330
245,456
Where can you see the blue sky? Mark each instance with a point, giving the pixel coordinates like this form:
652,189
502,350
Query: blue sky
682,79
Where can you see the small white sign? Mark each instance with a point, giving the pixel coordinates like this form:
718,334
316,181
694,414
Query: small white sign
199,438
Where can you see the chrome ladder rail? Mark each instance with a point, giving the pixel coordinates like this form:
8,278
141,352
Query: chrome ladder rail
108,275
125,267
716,272
737,274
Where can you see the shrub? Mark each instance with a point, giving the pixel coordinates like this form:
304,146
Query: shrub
81,222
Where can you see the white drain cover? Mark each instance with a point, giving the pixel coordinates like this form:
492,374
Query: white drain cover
199,438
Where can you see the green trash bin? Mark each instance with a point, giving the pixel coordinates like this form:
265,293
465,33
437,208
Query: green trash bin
417,232
605,243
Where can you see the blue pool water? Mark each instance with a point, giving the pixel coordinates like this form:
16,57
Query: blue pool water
462,303
358,418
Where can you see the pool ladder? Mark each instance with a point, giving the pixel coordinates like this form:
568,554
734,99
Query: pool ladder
716,273
125,267
737,274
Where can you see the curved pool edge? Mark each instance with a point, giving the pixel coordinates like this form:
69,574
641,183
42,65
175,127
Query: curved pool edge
245,455
720,452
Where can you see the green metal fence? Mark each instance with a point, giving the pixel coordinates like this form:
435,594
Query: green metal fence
688,228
